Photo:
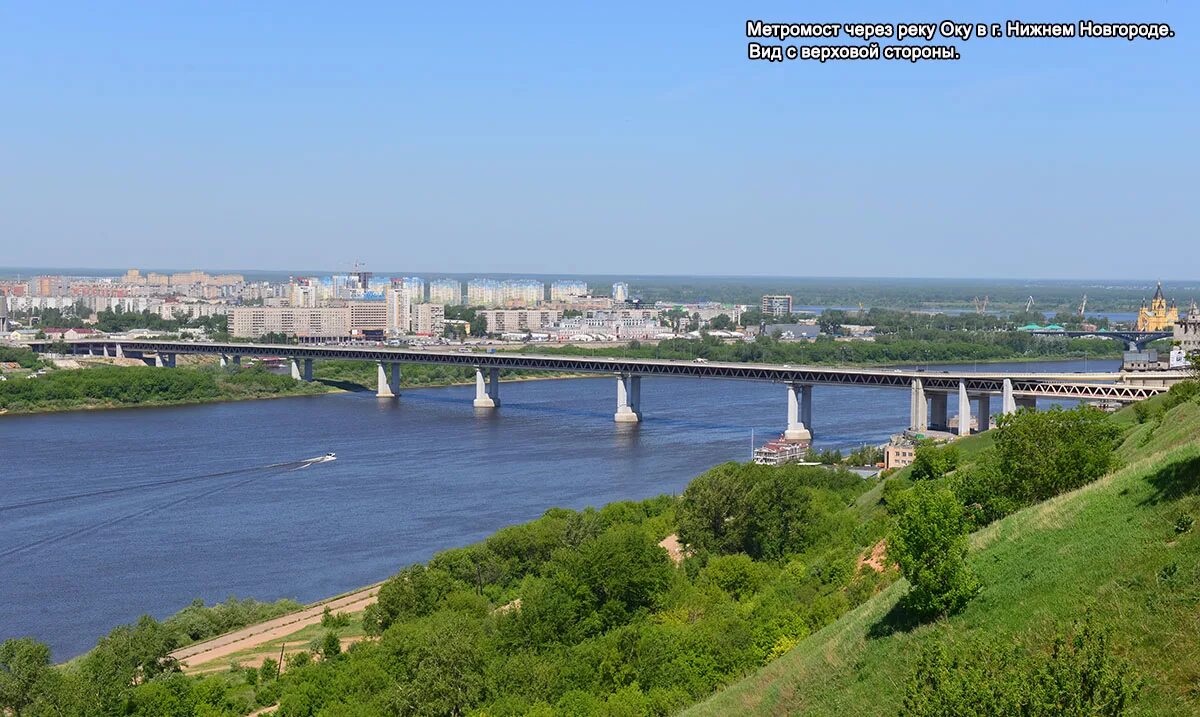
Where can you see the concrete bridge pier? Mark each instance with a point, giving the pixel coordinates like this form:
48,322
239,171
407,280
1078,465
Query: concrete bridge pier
487,390
629,398
158,361
964,410
918,412
985,412
1008,404
306,373
939,414
295,366
799,411
387,377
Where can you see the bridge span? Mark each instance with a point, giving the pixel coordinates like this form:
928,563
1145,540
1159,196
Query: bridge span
929,390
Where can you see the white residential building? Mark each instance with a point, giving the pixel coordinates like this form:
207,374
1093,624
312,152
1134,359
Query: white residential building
429,319
447,292
501,321
566,290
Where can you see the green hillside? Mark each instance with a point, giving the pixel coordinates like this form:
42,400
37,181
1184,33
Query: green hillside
1119,550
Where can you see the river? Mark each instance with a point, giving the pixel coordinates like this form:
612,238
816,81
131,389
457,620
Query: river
412,477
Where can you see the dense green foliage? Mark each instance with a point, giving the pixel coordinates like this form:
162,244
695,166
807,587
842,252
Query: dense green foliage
1122,549
199,622
932,461
107,386
582,612
578,612
1037,455
761,511
1079,676
929,543
128,672
24,357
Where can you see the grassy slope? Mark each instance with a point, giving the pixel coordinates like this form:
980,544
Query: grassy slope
1100,548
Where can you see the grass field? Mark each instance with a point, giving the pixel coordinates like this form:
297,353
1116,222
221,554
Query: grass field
1110,548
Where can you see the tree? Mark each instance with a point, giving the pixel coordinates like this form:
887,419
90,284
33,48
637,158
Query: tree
712,510
1194,360
24,672
929,542
479,325
1043,453
932,462
331,646
439,662
721,322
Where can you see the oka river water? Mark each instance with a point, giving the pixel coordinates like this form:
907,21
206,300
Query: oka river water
412,477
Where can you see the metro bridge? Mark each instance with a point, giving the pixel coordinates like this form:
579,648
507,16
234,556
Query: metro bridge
1136,340
928,389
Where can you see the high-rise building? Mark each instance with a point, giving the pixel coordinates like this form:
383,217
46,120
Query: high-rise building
447,292
483,292
368,317
522,292
304,292
500,321
416,286
620,291
401,297
777,305
429,319
3,312
312,323
566,290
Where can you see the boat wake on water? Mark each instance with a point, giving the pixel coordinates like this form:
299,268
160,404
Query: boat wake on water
249,475
307,462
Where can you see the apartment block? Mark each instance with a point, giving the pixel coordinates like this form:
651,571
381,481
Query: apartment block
501,321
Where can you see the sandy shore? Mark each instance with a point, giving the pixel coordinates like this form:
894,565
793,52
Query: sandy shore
255,635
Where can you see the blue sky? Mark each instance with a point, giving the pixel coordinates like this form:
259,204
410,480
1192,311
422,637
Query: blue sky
612,138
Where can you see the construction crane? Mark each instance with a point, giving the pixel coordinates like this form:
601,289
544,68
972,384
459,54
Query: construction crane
1083,305
1029,304
980,304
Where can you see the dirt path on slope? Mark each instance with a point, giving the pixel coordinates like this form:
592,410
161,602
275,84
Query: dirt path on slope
255,635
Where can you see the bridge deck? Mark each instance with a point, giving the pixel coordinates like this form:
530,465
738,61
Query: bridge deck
1084,386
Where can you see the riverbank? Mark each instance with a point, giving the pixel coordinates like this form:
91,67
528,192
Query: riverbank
108,387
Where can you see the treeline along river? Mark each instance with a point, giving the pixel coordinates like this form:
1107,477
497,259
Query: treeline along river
105,515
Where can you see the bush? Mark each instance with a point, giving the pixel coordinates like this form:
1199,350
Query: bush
932,462
929,543
1079,676
1038,456
765,512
